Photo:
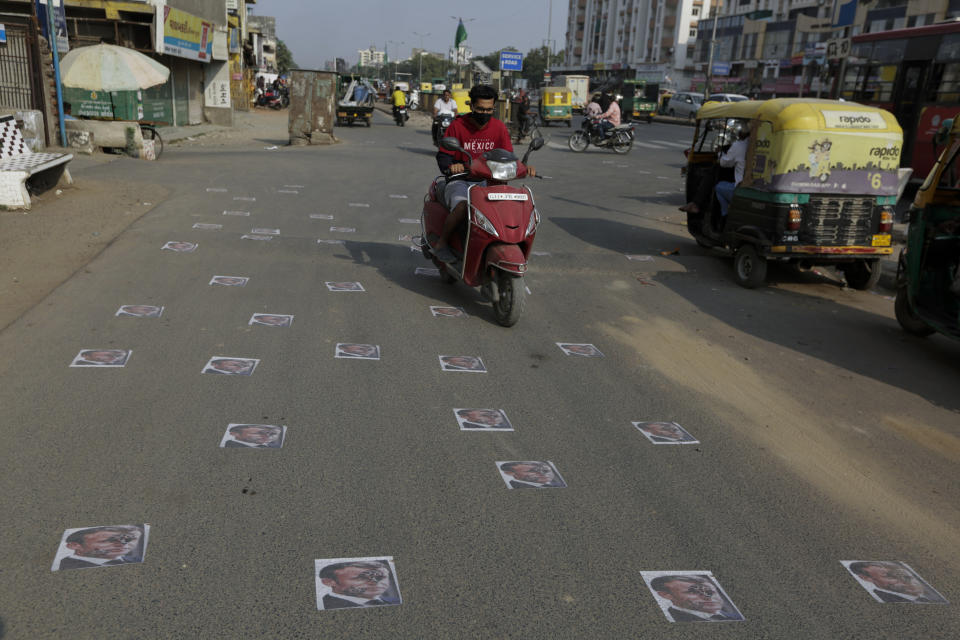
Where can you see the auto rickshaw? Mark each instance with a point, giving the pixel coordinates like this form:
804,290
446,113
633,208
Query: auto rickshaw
641,99
819,186
356,101
928,271
556,105
462,97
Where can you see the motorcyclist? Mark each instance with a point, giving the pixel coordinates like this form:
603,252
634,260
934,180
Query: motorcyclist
610,118
477,132
444,105
593,109
399,99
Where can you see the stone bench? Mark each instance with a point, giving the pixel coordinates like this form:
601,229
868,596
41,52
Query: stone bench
23,172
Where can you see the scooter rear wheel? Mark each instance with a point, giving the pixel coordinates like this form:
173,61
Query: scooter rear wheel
512,300
622,143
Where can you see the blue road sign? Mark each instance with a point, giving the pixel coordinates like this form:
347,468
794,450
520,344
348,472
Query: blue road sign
511,61
721,68
3,33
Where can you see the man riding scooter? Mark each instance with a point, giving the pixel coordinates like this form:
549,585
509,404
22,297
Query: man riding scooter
445,107
477,132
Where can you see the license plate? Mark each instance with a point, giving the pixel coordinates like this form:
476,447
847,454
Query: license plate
342,114
507,196
881,240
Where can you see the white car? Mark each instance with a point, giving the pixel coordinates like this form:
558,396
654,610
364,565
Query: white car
684,105
726,97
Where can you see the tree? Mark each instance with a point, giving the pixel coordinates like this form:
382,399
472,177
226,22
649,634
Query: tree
285,60
535,63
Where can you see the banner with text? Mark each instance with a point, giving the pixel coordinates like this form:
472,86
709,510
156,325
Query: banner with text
186,35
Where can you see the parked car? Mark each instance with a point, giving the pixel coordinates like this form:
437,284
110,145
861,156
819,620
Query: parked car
684,105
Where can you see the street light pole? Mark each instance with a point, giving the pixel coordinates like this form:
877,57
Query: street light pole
420,57
713,44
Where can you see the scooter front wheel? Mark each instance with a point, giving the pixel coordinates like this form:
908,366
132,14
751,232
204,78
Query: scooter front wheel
511,301
578,142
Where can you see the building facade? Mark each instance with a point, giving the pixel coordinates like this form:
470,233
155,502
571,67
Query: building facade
759,47
644,39
781,48
370,57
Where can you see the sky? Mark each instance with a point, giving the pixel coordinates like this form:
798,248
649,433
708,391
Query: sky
321,30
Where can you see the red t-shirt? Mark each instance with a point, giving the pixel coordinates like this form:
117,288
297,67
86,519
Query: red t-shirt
475,141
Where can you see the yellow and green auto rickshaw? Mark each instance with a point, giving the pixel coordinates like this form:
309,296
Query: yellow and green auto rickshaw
462,97
556,105
928,272
819,186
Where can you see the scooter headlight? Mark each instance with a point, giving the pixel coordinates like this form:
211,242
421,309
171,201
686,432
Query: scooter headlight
532,225
502,170
481,221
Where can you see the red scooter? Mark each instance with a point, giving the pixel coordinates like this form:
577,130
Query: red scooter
494,242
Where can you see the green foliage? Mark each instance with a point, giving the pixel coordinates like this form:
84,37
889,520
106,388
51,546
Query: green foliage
535,63
285,60
433,67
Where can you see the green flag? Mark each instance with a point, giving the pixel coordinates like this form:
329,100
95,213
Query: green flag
461,35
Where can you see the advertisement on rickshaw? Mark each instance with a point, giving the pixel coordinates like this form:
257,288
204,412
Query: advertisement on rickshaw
853,152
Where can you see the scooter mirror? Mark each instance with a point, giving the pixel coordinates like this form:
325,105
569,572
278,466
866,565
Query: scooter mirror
536,144
451,144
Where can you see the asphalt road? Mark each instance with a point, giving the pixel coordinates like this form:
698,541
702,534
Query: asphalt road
825,434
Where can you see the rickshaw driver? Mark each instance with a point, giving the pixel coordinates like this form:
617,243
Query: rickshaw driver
736,157
477,132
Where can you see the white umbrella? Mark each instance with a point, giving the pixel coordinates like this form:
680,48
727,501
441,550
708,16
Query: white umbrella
106,67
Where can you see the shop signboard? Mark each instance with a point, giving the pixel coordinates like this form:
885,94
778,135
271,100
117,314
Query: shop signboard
59,20
186,36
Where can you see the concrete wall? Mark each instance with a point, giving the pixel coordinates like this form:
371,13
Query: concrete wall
214,11
216,95
312,99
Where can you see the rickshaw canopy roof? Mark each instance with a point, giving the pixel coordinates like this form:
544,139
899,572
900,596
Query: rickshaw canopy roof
802,114
556,96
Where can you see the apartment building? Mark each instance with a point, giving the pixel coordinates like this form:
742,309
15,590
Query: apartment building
644,39
796,47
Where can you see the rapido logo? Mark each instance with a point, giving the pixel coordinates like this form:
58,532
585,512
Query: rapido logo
855,121
885,152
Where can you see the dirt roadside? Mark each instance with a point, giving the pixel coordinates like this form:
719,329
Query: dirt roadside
41,248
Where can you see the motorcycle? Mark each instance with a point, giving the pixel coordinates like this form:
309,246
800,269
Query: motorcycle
440,124
620,138
494,242
400,115
274,98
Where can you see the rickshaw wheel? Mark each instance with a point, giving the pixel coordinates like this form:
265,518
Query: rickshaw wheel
749,268
909,322
862,275
569,124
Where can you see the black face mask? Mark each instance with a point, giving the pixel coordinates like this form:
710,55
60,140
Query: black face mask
481,118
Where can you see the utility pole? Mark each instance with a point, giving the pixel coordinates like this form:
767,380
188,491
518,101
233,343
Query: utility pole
549,41
713,44
420,58
52,36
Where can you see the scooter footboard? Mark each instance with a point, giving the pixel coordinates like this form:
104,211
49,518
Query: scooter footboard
508,257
